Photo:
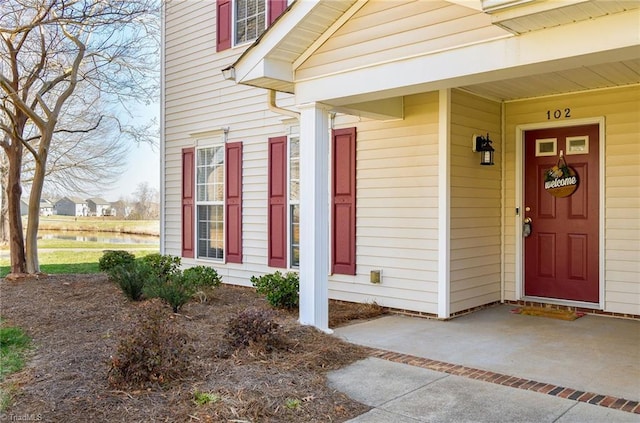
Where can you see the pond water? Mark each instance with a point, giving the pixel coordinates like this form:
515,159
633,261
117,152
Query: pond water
102,237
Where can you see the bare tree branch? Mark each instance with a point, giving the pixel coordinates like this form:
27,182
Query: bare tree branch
65,66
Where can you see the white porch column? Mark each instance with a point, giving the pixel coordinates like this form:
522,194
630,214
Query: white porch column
314,215
444,206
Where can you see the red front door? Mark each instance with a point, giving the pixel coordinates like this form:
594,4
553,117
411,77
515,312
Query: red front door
561,253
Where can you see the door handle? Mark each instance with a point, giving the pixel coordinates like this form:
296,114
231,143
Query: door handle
526,227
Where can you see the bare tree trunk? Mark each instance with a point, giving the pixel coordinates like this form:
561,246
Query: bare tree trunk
14,192
4,203
31,238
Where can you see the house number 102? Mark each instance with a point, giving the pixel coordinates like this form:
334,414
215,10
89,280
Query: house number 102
557,114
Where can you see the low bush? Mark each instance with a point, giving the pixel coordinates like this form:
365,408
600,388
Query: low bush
131,278
162,265
254,327
113,258
281,291
203,277
154,352
176,290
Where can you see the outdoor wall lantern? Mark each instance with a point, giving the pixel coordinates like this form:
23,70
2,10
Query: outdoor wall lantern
483,146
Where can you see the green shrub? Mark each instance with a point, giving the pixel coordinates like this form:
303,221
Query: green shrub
132,278
176,290
254,327
280,291
113,258
202,277
163,266
154,352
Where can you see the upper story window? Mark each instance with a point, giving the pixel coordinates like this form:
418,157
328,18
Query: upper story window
242,21
249,19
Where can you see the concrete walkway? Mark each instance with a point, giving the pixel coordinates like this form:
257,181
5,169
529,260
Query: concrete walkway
495,366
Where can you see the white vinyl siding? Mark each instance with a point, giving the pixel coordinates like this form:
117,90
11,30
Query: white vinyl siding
384,31
475,204
397,209
622,185
194,91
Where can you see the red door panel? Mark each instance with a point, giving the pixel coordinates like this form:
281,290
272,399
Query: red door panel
561,254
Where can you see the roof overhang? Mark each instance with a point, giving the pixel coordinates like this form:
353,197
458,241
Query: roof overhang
506,58
520,16
268,63
534,55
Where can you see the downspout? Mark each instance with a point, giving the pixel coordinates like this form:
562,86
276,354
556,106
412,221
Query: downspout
162,217
271,103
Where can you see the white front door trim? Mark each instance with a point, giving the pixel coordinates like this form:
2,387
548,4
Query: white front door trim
519,242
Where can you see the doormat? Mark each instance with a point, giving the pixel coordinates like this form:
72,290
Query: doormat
548,312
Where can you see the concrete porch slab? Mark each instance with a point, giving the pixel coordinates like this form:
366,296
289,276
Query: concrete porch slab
592,354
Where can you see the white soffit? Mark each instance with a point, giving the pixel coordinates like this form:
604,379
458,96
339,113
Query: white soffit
520,16
607,75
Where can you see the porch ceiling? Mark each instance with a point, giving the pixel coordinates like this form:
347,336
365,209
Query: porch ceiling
606,75
520,16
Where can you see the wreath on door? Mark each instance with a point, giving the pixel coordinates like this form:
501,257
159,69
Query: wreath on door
561,180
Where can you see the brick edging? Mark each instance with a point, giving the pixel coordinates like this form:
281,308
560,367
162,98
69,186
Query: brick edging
511,381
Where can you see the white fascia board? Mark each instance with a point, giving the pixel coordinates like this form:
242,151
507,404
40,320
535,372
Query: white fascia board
554,49
248,64
268,68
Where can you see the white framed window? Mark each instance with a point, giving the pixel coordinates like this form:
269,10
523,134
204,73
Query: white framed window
578,145
249,20
294,201
546,147
210,187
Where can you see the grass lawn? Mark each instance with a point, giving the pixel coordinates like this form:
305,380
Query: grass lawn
13,345
70,260
62,256
59,256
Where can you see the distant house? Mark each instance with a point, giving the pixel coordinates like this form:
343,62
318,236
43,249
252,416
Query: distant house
119,208
72,206
24,208
99,207
46,208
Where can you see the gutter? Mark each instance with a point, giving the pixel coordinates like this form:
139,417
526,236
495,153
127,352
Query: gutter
271,103
229,74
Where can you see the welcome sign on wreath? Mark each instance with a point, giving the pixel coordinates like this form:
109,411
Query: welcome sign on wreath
561,180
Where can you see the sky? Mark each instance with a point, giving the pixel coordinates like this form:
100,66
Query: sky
143,161
143,165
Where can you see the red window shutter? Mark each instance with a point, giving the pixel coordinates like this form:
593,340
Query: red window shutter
277,206
343,201
223,25
188,213
275,9
233,205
